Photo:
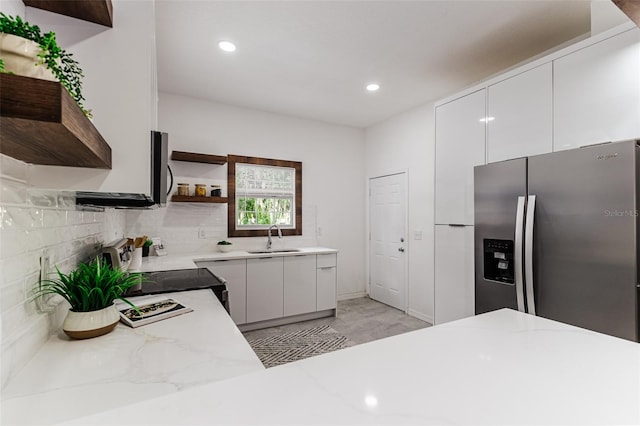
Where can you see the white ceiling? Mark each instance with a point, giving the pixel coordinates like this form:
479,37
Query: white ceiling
312,59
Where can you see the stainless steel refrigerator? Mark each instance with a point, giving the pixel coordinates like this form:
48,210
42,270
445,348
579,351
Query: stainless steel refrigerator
556,235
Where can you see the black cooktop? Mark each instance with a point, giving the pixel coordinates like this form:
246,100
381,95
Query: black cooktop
181,280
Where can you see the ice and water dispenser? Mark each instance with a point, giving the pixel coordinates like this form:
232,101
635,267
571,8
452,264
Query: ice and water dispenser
498,261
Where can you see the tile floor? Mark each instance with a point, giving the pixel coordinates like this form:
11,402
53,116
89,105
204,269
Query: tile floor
361,320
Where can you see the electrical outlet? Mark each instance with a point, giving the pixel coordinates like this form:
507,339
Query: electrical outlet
201,233
44,266
319,231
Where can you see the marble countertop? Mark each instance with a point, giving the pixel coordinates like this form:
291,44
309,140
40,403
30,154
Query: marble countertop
187,261
498,368
71,378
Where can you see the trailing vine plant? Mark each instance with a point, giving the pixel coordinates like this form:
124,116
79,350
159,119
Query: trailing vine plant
61,63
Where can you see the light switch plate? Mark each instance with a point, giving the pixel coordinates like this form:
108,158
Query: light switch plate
417,235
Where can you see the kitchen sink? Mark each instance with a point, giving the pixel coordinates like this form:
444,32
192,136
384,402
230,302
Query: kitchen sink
272,251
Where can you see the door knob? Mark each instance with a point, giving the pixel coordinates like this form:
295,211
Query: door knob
401,249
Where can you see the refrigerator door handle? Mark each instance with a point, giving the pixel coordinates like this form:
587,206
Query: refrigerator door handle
517,258
528,253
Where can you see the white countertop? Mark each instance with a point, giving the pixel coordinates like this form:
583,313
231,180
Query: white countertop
503,367
71,378
187,261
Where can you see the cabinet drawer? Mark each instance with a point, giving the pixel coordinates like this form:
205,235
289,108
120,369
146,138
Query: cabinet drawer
327,260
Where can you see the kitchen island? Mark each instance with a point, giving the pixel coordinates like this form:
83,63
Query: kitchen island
71,378
503,367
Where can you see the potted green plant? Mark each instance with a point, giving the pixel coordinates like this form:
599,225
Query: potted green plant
26,51
91,290
224,246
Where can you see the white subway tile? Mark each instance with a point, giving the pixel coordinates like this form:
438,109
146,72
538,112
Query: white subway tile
12,295
76,217
66,200
12,192
43,198
53,218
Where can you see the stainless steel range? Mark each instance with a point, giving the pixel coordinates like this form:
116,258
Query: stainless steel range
118,254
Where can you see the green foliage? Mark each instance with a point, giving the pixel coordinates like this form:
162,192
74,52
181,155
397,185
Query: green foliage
224,243
91,286
264,211
61,63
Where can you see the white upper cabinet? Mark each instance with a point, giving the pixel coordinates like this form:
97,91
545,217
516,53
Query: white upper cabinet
596,94
460,145
519,115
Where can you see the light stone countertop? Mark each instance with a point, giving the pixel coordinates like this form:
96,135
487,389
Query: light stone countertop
187,261
71,378
499,368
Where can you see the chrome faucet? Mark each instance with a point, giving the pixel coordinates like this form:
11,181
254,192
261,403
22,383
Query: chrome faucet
269,235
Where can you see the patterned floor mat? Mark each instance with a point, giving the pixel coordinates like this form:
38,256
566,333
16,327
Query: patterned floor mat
289,347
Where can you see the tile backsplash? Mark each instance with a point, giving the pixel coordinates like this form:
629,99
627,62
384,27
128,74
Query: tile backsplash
35,223
197,228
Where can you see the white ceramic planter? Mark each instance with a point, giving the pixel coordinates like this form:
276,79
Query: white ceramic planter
85,325
225,248
20,57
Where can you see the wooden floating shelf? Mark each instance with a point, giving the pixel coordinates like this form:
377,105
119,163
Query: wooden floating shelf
40,123
193,157
194,199
96,11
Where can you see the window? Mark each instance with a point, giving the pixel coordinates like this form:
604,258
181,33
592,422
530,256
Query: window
263,192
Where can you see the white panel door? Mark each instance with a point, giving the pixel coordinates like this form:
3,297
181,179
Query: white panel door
264,288
596,93
235,274
460,145
519,114
387,267
454,273
299,284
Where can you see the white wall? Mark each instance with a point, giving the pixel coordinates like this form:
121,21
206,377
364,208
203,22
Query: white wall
407,142
332,194
119,86
33,223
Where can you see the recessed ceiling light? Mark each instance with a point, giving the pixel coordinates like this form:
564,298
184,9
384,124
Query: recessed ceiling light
372,87
227,46
487,119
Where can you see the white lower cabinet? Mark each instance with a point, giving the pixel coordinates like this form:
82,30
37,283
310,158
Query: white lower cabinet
265,285
234,273
299,284
454,273
268,288
326,282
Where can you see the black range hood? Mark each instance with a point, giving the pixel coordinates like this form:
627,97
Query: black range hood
158,193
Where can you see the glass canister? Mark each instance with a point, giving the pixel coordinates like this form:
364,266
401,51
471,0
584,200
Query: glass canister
216,191
201,190
183,189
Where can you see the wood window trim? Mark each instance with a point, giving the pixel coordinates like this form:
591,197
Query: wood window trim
231,195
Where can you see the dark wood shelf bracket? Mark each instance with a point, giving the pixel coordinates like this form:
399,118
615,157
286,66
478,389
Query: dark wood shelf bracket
96,11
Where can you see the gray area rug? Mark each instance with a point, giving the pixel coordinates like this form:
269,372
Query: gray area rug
296,345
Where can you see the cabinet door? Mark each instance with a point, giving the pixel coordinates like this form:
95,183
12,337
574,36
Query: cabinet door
519,113
596,93
235,274
460,137
264,288
326,288
454,273
299,284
